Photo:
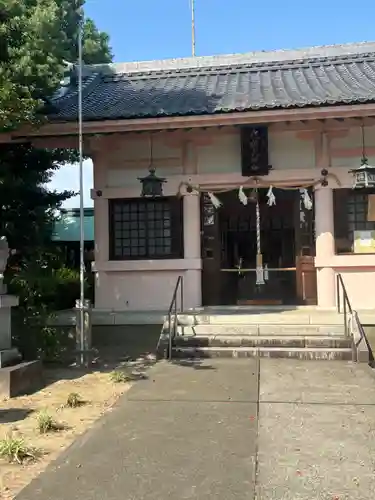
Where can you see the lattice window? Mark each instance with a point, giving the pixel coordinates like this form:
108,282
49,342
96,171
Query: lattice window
145,229
351,214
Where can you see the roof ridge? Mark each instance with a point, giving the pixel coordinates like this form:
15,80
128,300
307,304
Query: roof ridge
274,56
246,67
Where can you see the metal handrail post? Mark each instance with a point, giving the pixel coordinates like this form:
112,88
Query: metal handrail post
345,318
175,319
182,294
170,336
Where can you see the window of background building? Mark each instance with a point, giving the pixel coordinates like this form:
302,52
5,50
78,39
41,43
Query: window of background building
145,229
353,211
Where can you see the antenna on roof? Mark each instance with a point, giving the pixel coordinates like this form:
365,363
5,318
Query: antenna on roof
192,5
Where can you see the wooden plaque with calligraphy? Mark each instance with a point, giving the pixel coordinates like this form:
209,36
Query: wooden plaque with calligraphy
254,151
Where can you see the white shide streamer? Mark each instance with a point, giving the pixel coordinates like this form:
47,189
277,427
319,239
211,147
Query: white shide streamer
271,197
214,200
242,196
306,199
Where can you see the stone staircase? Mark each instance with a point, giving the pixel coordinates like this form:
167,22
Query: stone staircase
304,333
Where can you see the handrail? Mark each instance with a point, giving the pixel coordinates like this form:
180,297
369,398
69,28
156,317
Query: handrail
346,301
172,330
353,326
361,330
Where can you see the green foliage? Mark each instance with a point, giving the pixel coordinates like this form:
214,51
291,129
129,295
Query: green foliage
119,376
74,400
44,285
27,206
46,423
37,39
27,73
43,281
15,450
96,48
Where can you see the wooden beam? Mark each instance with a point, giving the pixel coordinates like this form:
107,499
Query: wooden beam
224,119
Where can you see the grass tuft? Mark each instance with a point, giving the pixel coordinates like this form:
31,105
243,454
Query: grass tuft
119,376
74,400
15,450
46,423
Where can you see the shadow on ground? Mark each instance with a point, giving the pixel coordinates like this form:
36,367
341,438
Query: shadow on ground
131,348
14,415
196,364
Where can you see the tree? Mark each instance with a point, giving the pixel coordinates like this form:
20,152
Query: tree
37,37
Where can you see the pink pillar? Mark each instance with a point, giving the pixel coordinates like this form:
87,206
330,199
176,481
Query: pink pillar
325,246
192,226
192,249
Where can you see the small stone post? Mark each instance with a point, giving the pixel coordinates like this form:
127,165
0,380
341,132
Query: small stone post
8,355
84,340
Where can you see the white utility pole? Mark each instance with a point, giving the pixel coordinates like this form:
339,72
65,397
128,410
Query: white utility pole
192,4
81,186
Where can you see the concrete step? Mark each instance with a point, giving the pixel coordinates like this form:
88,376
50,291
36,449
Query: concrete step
297,341
260,317
313,353
275,329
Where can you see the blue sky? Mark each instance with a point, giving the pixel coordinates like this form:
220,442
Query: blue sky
158,29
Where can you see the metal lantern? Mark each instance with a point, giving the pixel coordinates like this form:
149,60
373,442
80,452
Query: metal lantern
152,185
363,176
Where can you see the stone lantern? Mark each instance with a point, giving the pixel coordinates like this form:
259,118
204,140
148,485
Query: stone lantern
16,376
8,354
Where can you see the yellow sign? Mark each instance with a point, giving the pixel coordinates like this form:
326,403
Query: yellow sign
371,208
364,241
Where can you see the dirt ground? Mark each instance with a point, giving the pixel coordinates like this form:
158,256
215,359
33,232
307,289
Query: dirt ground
18,417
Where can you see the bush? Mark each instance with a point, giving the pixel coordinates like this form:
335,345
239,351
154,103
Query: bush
44,285
52,286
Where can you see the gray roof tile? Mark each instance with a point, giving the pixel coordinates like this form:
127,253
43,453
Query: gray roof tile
334,75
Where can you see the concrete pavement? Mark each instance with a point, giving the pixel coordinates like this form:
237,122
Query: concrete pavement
229,430
316,431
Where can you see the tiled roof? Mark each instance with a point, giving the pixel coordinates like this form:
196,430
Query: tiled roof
318,76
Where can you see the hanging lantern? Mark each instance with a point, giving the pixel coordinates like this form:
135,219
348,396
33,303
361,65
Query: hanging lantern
364,175
152,185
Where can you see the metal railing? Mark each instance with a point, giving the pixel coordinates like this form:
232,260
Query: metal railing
173,312
352,324
346,302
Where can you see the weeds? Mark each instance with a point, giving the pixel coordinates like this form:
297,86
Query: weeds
15,450
74,400
46,423
119,376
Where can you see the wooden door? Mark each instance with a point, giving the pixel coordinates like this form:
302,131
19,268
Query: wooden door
305,253
211,253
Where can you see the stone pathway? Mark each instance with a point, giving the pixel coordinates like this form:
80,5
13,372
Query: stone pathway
228,430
